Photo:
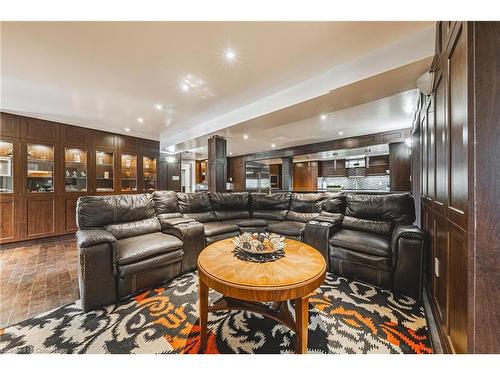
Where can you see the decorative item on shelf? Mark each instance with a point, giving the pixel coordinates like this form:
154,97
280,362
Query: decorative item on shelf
82,174
100,160
106,174
146,165
67,174
127,163
75,174
259,247
76,157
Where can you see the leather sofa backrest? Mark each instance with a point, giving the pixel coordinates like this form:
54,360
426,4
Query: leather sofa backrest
397,208
196,206
165,202
98,211
229,206
305,206
365,225
334,203
133,228
270,206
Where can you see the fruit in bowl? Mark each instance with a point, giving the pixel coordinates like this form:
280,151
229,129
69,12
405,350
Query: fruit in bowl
259,243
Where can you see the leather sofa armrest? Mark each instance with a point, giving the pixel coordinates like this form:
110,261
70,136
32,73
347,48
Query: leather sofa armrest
407,257
334,219
317,234
192,235
96,268
173,221
91,237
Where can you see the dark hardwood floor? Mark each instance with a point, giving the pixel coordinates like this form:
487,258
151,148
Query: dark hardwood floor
36,278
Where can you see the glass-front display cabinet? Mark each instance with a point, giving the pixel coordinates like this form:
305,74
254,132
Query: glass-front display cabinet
104,171
75,170
129,173
149,173
6,167
40,168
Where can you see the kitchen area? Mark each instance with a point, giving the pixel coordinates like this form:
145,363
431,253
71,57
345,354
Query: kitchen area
376,168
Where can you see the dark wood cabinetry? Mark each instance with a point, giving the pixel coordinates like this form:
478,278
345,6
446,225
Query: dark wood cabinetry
332,168
46,166
305,176
456,137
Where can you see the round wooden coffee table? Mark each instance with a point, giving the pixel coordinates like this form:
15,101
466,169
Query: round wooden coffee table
245,285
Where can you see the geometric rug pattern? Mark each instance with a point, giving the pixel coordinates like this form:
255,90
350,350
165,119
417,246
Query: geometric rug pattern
345,317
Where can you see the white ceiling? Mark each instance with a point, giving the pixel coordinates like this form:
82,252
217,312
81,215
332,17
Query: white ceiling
105,75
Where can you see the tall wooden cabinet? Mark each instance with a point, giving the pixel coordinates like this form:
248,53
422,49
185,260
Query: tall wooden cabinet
450,142
46,166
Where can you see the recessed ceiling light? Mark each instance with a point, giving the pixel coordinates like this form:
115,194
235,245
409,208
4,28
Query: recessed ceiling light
273,145
140,119
127,129
229,54
159,107
230,153
184,87
341,133
245,136
323,116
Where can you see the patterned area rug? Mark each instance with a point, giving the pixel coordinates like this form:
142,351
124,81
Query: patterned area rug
345,317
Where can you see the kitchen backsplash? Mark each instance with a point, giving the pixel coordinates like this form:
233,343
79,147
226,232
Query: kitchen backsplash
361,183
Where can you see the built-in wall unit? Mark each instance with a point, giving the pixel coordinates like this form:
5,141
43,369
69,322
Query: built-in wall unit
46,166
456,137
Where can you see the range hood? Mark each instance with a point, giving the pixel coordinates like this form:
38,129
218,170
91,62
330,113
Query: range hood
355,163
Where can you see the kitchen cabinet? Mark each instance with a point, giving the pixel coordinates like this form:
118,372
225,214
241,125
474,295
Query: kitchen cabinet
332,168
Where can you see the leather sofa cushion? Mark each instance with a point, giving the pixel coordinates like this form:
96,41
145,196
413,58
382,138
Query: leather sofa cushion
334,203
201,217
144,265
365,259
301,216
287,228
134,249
304,206
229,206
217,227
95,211
165,201
211,239
194,202
306,202
132,207
229,201
251,222
232,214
134,228
275,215
369,243
196,206
364,225
273,202
399,208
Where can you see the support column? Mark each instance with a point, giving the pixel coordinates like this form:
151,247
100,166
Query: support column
287,173
217,164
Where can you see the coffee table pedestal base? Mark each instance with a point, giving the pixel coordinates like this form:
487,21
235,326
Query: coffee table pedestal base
276,310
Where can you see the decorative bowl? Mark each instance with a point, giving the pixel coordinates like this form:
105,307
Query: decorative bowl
259,243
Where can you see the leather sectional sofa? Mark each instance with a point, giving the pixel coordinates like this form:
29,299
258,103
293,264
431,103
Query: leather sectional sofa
127,243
